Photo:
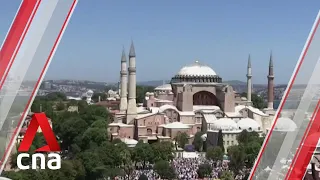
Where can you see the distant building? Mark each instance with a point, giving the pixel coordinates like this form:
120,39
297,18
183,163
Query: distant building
47,85
195,100
73,109
112,106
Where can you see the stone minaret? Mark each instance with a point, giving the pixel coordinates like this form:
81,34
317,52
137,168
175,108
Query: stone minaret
249,82
132,104
270,84
123,84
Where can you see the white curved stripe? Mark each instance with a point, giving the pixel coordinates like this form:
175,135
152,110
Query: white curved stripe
11,25
19,42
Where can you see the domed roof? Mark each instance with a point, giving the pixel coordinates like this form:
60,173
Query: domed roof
196,69
204,137
111,92
167,106
225,124
248,124
89,93
285,124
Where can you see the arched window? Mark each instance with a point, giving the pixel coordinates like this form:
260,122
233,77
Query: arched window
172,115
149,132
205,98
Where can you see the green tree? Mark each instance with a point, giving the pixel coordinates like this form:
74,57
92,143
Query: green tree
227,175
141,92
251,150
94,136
92,113
198,142
40,105
243,137
182,139
237,157
70,131
60,106
220,140
165,170
72,102
92,163
56,96
214,153
251,143
116,141
24,175
70,169
35,107
95,97
257,101
82,105
163,150
123,157
204,170
143,152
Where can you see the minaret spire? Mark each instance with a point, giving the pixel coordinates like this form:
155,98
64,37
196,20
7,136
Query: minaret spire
132,104
270,83
123,83
132,52
123,56
249,81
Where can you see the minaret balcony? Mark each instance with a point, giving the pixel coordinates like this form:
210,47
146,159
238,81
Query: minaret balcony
123,72
132,69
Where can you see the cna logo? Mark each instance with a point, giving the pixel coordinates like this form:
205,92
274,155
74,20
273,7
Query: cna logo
54,159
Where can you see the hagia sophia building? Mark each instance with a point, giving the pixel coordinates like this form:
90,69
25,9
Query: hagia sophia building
195,100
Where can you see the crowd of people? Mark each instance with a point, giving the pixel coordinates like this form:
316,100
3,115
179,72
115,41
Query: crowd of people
187,169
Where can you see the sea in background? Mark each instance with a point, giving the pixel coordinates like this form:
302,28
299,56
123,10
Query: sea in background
293,105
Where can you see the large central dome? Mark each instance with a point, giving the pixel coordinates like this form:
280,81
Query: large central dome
196,73
196,69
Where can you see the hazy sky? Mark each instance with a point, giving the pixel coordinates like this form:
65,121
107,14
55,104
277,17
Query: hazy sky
169,34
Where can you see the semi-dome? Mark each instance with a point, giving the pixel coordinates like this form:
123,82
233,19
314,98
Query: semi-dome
285,124
248,124
167,106
225,124
196,69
